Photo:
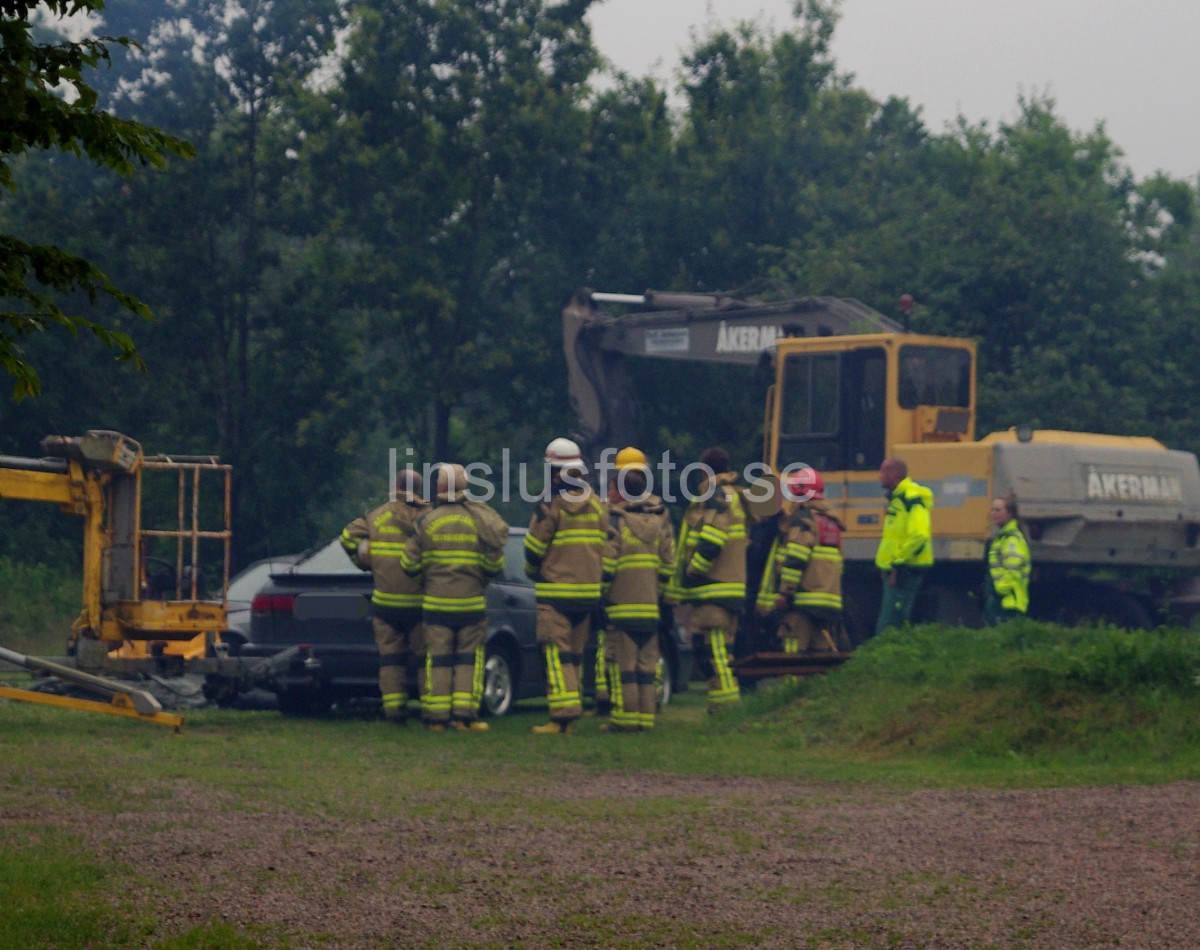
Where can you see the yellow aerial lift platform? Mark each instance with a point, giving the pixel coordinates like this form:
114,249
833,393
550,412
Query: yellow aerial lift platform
134,621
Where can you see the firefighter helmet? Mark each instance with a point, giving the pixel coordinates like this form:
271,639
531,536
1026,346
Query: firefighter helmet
629,457
451,481
805,484
563,453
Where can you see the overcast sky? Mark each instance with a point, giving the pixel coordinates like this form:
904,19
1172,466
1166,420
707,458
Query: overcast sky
1134,64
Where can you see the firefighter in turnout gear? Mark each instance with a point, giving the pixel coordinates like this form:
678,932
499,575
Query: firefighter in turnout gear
1006,583
375,542
639,559
802,583
628,456
456,549
710,574
563,551
905,551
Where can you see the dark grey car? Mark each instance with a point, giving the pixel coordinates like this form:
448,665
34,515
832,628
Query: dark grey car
240,596
313,619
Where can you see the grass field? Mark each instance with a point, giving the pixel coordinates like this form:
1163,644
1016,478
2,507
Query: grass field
249,829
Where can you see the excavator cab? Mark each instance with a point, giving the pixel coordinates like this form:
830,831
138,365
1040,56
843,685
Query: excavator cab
794,341
840,403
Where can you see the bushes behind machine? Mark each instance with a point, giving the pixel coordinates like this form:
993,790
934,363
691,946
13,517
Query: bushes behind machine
38,606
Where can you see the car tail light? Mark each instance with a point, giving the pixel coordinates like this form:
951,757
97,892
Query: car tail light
273,603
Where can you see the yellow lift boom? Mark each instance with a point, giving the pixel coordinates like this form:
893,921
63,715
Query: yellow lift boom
122,700
134,508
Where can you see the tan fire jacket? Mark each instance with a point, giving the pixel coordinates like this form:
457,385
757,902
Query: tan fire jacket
639,559
805,564
456,549
563,549
710,566
386,529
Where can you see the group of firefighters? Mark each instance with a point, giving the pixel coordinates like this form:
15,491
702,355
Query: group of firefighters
618,559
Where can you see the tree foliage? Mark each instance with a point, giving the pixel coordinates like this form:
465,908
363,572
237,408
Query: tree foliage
46,102
391,199
447,129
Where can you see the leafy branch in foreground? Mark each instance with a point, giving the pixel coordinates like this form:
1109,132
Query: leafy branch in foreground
62,272
46,104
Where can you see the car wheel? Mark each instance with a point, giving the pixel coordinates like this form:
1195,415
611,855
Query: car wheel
664,682
499,687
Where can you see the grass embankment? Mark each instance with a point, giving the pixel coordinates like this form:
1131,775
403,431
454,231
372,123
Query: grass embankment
1027,703
37,607
1024,705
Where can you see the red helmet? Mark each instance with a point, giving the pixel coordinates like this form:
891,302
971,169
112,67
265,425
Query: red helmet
805,484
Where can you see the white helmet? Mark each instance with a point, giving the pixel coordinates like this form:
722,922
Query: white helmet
563,453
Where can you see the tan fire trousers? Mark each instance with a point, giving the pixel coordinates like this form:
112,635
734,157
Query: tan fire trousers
453,672
632,664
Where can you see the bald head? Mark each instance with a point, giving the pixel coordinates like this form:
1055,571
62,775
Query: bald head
892,472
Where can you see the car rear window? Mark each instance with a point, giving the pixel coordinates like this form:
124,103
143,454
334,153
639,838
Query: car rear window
330,559
514,560
333,559
246,585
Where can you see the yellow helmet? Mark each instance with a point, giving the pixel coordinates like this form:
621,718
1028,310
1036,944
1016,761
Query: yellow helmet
629,457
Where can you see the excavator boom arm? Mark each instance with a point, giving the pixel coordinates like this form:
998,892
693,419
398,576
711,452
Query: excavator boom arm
716,328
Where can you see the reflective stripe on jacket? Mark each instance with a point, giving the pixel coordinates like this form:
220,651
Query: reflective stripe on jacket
564,548
1009,566
805,563
710,565
639,558
454,561
907,531
386,530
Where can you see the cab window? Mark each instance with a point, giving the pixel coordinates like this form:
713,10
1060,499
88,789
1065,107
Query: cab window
833,411
810,396
811,412
934,376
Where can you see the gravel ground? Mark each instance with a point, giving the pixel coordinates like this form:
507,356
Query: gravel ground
696,862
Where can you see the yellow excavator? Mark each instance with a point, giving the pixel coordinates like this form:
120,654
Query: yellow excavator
844,387
152,525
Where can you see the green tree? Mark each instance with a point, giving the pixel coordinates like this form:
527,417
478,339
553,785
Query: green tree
751,145
449,164
249,358
256,337
1023,238
630,199
1167,215
36,112
1030,249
